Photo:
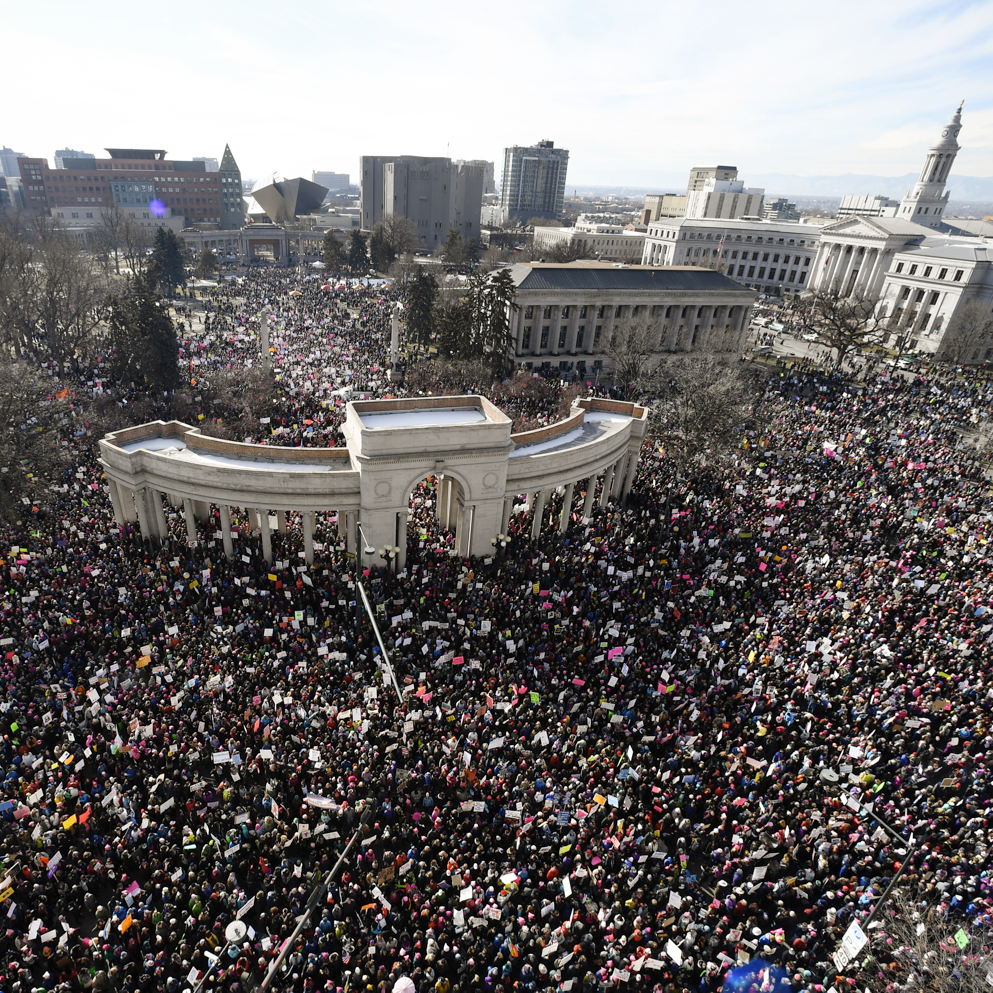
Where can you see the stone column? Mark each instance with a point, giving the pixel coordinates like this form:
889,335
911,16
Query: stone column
253,520
266,535
608,479
342,526
351,534
155,499
566,508
466,516
453,503
590,495
147,531
402,540
226,530
191,521
127,503
115,500
308,536
539,513
629,479
441,504
619,469
460,526
281,521
508,509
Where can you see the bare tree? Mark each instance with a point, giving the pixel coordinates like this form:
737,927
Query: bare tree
52,298
398,235
30,452
970,327
844,322
634,350
921,946
702,406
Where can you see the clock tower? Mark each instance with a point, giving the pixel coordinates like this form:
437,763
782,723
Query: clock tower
926,203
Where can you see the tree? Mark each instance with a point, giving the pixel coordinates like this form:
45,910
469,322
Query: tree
143,338
453,329
970,326
634,351
915,947
844,322
702,407
392,237
567,251
496,306
167,263
458,251
207,265
421,296
358,252
51,297
332,253
118,235
29,438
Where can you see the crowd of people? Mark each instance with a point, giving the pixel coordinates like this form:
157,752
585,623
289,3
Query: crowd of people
633,755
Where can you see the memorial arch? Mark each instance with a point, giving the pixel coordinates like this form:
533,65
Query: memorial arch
464,442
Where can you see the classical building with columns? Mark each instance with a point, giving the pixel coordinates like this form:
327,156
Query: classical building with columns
222,488
567,314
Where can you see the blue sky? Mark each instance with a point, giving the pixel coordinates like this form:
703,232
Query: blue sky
638,92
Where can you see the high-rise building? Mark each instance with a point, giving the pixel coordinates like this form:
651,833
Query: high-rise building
334,181
727,198
232,200
700,174
780,209
533,183
8,162
62,154
926,202
209,162
664,205
131,178
434,194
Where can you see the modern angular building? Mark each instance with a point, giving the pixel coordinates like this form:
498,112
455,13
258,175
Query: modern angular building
283,199
533,182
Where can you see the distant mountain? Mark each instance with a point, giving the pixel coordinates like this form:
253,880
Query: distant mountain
781,184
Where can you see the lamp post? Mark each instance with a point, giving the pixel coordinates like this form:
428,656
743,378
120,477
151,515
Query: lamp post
369,549
388,553
499,543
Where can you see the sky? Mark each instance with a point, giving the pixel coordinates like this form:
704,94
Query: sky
638,92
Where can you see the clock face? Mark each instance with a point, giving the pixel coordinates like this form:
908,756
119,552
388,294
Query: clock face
944,134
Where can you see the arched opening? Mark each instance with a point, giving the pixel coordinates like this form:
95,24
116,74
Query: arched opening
436,518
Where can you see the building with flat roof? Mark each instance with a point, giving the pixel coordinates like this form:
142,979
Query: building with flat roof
131,178
434,194
868,206
62,154
335,182
665,205
533,183
770,257
595,238
568,313
700,174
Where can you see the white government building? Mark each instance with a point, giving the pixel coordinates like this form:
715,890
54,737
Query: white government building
919,265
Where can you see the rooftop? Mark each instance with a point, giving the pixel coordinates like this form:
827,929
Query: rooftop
606,276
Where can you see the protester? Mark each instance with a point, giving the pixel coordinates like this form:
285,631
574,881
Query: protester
606,771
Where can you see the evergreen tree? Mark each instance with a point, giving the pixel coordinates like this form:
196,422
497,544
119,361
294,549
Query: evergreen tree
358,253
167,264
497,304
454,250
207,264
332,253
420,307
143,337
453,326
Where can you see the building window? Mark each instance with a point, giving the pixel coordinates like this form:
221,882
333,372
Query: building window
580,335
958,276
544,337
582,312
927,272
563,331
528,313
913,270
761,273
618,311
546,313
943,274
601,312
741,270
934,298
565,312
899,267
596,335
803,277
527,338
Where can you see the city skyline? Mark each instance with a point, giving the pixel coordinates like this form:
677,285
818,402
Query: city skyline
631,111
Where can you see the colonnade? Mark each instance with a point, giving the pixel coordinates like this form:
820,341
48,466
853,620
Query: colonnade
146,507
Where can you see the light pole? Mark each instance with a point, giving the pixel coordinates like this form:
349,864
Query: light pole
388,554
501,540
856,937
